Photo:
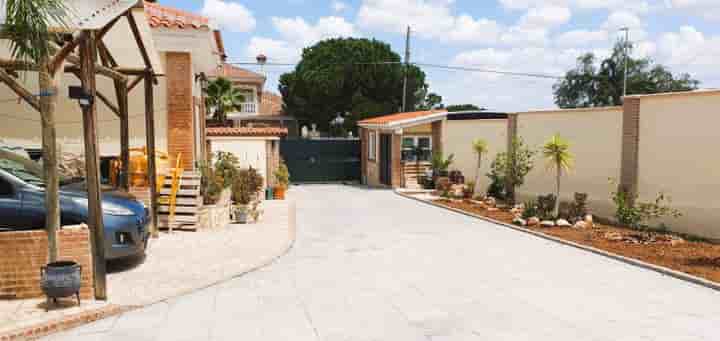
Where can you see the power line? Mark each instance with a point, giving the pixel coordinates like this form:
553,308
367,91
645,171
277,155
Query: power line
507,73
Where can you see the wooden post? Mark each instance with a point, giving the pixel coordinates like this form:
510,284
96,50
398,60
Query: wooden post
95,217
122,98
150,140
47,81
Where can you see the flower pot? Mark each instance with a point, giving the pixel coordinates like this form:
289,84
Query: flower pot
242,214
279,192
61,279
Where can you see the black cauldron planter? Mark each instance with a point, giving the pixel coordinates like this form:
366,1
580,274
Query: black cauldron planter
61,279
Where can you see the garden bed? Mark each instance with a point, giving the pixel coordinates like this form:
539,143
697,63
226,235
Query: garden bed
694,257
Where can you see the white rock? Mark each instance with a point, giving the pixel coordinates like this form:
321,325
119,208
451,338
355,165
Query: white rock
580,225
563,223
490,201
547,223
533,221
519,221
589,219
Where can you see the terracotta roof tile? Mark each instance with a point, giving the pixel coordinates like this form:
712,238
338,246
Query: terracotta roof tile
244,131
388,119
239,74
158,15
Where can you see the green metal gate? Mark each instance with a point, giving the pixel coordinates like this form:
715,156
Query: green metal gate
322,160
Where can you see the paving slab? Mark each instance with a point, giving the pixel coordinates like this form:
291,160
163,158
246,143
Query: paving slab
371,265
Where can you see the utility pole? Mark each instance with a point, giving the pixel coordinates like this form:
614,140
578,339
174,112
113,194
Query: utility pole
627,45
407,67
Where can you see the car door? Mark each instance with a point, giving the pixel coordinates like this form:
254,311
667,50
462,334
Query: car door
11,216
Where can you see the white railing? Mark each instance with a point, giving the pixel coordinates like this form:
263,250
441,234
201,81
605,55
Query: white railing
248,108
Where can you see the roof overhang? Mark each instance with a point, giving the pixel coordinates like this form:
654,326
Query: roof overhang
86,14
406,123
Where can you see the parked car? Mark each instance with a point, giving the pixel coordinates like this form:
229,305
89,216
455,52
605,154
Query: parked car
22,207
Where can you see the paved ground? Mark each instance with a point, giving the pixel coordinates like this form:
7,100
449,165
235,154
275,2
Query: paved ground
370,265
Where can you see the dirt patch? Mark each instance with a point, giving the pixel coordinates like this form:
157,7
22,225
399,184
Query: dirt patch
697,258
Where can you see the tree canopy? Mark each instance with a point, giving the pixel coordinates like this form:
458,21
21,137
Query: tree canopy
588,85
348,75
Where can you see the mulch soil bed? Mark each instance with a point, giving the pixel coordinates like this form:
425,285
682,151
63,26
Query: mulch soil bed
698,258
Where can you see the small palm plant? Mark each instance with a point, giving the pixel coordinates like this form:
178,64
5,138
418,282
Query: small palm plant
28,27
557,153
480,147
223,98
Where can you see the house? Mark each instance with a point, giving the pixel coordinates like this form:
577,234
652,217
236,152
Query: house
388,157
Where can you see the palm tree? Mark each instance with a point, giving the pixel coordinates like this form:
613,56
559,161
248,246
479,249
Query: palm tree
480,147
222,97
557,153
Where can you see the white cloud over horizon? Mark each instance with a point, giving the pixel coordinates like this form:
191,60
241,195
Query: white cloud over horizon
230,15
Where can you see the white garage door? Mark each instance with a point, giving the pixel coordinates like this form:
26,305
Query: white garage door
249,152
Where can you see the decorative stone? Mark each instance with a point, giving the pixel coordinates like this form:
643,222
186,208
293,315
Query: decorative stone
493,209
533,221
519,221
580,225
589,219
563,223
490,201
614,236
515,210
547,223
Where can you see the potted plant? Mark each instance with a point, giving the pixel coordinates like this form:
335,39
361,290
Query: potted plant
246,187
440,167
282,179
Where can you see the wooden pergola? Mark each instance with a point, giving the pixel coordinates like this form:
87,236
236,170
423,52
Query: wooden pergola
77,53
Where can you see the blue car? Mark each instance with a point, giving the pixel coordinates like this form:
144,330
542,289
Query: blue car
22,207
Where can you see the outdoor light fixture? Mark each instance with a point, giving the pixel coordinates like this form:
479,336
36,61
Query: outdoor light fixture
84,99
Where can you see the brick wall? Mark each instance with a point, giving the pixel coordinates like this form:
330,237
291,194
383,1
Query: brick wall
24,252
272,149
629,165
180,107
396,167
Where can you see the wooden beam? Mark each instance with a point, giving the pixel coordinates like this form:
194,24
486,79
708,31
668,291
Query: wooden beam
57,60
17,65
92,162
107,28
121,92
109,104
99,69
132,71
138,39
19,90
150,140
105,55
48,87
135,82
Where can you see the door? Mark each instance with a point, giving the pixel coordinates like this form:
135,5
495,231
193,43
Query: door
386,159
322,160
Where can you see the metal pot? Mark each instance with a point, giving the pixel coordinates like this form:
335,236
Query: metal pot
241,214
61,279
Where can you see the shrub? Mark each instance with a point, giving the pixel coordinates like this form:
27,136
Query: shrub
218,177
511,169
282,174
531,210
634,214
440,164
246,186
546,206
579,208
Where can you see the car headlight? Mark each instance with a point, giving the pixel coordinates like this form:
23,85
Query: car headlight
107,208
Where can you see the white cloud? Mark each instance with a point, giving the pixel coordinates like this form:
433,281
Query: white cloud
620,19
519,36
428,19
339,6
229,15
690,49
639,6
581,38
708,9
545,17
296,34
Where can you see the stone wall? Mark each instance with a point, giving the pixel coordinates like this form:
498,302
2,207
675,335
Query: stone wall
24,252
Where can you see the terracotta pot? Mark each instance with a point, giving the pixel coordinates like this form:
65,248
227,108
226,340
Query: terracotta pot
279,192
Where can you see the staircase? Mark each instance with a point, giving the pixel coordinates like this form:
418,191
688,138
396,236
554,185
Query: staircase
412,171
187,205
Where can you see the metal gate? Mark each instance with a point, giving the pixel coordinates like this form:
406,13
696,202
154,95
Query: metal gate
322,160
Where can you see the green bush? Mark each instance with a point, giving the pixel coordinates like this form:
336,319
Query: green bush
282,174
531,210
248,183
630,212
546,206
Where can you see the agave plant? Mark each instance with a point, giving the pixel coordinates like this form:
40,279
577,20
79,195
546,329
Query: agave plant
480,147
557,153
223,98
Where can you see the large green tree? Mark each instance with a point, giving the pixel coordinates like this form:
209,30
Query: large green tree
359,76
590,85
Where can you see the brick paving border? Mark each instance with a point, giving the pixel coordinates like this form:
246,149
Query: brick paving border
631,261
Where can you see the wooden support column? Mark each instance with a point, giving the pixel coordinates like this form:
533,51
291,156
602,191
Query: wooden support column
47,81
150,137
121,91
92,162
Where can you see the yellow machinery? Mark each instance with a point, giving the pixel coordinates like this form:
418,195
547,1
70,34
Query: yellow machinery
171,200
138,167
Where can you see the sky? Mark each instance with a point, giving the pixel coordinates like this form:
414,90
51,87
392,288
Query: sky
530,36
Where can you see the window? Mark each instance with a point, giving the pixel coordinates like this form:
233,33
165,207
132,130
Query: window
6,189
372,145
416,148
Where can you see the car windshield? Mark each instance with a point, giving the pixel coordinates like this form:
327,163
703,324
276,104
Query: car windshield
24,168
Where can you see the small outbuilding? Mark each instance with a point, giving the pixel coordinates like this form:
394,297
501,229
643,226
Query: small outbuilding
398,148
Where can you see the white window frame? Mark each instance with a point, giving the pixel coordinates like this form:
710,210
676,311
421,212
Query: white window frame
416,141
372,145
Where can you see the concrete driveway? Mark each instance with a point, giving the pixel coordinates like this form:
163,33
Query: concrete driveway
370,265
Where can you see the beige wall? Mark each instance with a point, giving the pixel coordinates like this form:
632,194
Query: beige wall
679,143
459,137
595,142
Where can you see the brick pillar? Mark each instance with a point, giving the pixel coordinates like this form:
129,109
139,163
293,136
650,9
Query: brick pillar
438,128
396,167
363,155
272,151
181,135
629,166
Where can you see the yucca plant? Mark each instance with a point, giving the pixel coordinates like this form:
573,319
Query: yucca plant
480,147
557,153
223,97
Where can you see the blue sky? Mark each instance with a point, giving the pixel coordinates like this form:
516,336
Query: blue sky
538,36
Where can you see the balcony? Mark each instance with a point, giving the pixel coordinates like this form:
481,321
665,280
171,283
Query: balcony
248,108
